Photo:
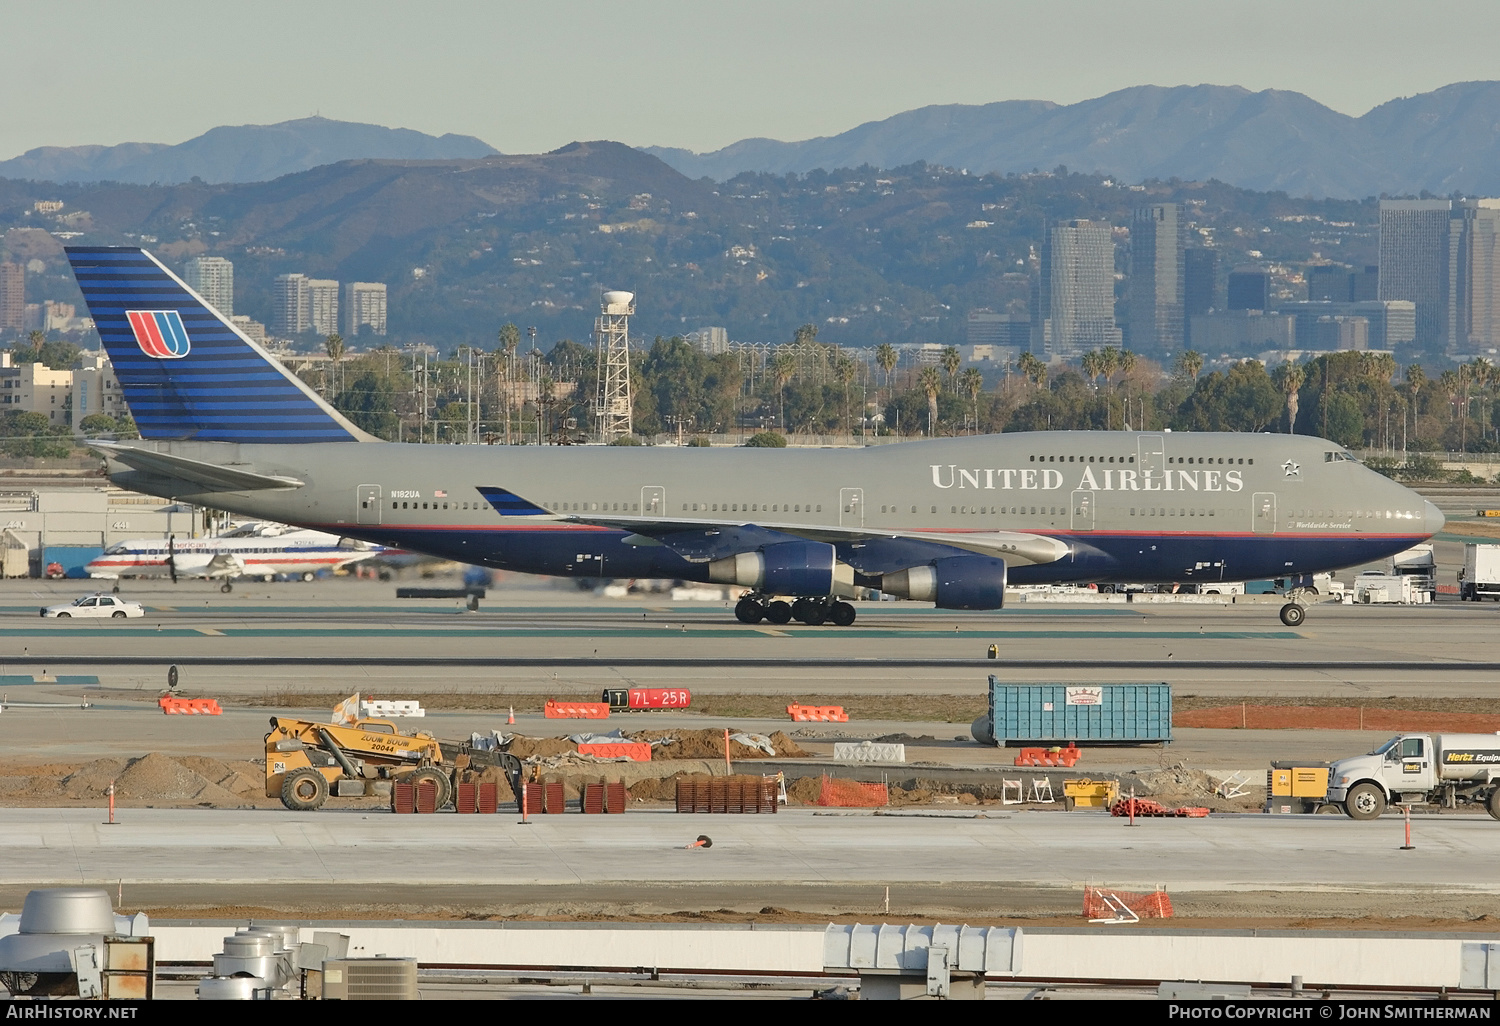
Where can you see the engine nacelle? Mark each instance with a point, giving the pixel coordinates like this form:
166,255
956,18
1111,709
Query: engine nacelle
954,582
788,568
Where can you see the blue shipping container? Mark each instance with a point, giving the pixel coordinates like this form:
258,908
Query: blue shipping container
1130,714
73,558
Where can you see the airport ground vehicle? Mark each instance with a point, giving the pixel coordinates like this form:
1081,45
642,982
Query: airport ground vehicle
307,762
1419,769
1420,564
1480,577
110,606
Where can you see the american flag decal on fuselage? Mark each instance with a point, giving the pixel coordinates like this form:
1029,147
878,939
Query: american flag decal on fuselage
159,333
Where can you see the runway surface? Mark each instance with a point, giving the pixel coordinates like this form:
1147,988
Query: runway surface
326,634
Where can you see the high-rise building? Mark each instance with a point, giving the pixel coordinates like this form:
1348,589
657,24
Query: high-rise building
1415,240
364,308
1200,272
323,305
1364,286
213,279
1156,279
291,315
12,297
1474,275
1075,299
1249,289
1330,283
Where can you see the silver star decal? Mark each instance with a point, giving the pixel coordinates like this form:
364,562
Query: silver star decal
1292,469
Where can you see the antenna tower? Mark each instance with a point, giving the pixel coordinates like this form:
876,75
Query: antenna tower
612,347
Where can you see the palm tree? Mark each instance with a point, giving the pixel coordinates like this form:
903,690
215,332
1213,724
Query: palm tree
1091,366
951,362
1109,362
971,381
1032,368
1484,376
1466,380
886,358
333,345
932,383
1190,363
1289,377
846,370
783,369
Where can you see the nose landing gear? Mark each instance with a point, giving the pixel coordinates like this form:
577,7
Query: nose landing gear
813,611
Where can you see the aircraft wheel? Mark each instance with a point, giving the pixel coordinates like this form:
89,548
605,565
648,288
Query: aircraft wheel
304,790
815,614
842,614
116,589
226,587
308,575
779,612
747,610
800,610
1292,614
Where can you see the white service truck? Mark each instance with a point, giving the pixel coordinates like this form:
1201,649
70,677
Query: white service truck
1419,769
1420,564
1480,576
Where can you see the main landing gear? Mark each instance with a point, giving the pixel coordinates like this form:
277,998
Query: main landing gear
812,611
1293,614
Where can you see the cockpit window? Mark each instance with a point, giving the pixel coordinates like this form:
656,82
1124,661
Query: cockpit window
1338,456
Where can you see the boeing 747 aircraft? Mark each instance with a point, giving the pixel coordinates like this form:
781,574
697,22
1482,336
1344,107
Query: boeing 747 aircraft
947,521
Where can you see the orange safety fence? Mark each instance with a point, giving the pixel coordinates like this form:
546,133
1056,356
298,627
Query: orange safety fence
1146,807
189,706
852,794
576,710
818,713
635,751
1155,905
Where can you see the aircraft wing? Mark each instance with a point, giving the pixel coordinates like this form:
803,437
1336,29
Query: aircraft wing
212,477
704,540
867,549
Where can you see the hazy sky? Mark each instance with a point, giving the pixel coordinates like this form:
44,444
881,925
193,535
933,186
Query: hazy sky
528,77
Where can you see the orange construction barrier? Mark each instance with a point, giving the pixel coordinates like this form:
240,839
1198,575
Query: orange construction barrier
636,751
576,710
189,706
852,794
1155,905
1127,807
1067,757
818,713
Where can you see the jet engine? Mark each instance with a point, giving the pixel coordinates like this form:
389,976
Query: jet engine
787,568
954,582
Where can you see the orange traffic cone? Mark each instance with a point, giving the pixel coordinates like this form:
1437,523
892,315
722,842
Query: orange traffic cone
512,720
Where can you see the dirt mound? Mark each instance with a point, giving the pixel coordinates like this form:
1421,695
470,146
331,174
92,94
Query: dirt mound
523,747
153,776
1311,717
709,744
1177,781
804,790
243,778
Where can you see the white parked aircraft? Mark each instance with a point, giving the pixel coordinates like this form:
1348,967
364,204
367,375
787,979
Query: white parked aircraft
255,550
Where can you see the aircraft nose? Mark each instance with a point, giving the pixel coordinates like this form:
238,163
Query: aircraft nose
1435,519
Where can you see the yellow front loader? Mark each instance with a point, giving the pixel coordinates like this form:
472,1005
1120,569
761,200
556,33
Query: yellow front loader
307,762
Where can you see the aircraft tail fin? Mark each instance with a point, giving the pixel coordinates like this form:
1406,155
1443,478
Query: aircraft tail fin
185,370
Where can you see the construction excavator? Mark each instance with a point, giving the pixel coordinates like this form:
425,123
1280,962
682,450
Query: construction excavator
308,762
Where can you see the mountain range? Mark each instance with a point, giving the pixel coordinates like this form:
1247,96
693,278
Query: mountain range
1444,141
239,153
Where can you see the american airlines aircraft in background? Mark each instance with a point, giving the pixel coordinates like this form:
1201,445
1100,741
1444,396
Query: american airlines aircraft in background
258,550
947,521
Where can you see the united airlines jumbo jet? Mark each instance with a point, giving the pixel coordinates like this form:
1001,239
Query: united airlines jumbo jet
948,521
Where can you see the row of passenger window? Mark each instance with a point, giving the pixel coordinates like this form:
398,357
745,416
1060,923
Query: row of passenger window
1357,514
436,505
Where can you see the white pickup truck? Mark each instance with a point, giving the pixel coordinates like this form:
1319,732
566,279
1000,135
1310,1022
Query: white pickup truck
1419,769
